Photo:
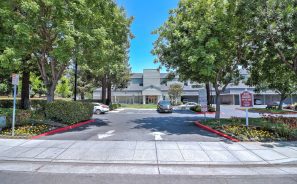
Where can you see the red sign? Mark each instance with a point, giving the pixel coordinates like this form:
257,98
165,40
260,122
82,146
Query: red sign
246,99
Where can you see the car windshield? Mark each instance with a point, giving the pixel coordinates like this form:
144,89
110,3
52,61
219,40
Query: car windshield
165,103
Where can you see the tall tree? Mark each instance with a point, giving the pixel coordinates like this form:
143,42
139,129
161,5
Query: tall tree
273,75
202,41
273,26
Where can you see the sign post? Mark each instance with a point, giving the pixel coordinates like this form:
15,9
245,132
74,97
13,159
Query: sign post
246,100
203,101
15,82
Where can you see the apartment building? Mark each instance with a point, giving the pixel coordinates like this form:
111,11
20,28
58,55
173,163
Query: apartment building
151,86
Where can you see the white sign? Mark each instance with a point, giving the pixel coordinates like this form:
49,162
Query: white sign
203,100
15,79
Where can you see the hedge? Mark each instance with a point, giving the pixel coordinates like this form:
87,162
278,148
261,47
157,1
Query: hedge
197,108
35,104
22,116
68,112
114,106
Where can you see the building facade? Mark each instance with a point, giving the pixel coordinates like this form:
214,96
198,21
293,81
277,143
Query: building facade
151,86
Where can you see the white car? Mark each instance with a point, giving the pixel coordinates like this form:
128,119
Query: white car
100,108
188,105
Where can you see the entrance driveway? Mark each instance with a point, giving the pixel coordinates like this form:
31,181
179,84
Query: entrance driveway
141,125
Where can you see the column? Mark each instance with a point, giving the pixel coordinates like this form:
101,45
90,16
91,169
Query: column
143,99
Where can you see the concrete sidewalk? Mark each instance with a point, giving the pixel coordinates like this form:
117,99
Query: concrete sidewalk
149,152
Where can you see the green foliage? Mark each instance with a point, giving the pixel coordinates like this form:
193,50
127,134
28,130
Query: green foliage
22,116
27,130
68,112
272,31
202,41
37,86
34,103
268,128
52,34
197,108
114,106
64,88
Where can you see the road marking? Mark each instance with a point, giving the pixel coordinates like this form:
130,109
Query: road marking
107,134
158,135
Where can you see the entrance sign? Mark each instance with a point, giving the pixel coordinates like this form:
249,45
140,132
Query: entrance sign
246,100
15,82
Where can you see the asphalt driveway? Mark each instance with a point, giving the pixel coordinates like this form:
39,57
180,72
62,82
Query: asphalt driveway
140,125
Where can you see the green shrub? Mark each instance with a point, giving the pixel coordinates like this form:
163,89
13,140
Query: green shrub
114,106
197,108
69,112
211,108
22,116
34,103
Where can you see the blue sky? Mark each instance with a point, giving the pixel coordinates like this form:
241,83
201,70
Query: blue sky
149,15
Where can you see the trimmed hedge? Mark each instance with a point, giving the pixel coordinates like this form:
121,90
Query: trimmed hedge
22,116
69,112
34,103
114,106
197,108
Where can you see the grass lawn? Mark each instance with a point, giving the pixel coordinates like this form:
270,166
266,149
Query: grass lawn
140,106
260,129
271,111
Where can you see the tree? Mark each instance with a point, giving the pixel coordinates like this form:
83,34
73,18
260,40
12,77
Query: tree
174,92
37,86
64,88
202,41
273,75
273,26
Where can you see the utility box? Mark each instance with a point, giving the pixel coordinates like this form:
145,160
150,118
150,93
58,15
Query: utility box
2,122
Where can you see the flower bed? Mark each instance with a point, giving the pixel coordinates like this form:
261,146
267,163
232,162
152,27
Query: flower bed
27,131
260,129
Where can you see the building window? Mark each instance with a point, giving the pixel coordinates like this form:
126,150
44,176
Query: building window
185,83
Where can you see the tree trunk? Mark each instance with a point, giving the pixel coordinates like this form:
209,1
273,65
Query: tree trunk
280,106
51,93
207,86
25,93
109,92
82,95
103,98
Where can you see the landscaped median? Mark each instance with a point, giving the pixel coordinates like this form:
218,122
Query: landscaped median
270,111
264,129
57,115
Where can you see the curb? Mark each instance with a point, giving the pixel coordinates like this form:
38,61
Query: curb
63,129
207,128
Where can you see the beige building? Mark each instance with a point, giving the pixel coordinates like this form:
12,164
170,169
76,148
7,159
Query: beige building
152,86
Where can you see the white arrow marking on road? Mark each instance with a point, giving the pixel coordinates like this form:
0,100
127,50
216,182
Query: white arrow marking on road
158,135
107,134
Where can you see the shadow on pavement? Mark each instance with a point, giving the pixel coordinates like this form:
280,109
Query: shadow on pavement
173,125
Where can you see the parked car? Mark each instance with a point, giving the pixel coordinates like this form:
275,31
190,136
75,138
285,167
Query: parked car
258,102
276,103
164,106
188,105
100,108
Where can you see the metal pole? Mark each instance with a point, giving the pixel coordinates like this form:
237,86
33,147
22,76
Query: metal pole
14,105
75,80
246,117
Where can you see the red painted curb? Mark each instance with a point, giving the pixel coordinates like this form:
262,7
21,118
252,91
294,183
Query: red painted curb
207,128
63,129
